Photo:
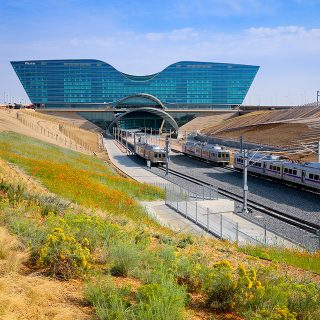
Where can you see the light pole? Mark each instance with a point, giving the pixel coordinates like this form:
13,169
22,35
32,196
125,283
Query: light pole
246,164
245,182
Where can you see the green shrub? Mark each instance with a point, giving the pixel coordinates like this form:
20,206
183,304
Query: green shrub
142,239
304,300
184,242
191,272
63,256
51,205
282,299
83,226
124,258
109,302
14,194
229,289
161,301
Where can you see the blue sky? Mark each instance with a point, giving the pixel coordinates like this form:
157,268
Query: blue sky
143,37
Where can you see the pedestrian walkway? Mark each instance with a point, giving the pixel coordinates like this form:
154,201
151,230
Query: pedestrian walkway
171,218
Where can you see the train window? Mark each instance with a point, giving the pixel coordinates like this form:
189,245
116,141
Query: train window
260,164
290,171
316,177
294,172
278,169
219,155
155,155
310,175
286,170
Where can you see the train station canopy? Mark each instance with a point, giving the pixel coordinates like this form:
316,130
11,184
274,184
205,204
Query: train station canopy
158,112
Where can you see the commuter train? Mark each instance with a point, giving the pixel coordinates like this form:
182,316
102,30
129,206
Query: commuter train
306,175
208,152
150,152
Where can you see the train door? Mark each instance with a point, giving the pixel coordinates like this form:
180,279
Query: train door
303,175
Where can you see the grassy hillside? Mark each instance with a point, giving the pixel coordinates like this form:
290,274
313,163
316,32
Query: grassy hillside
76,219
77,177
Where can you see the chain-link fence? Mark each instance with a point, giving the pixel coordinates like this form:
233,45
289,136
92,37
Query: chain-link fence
192,205
188,203
191,192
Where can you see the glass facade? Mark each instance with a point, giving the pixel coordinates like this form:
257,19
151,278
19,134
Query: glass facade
94,83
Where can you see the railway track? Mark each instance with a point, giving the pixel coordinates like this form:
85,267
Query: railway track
287,218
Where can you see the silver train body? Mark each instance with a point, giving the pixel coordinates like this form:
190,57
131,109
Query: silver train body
150,152
209,152
306,175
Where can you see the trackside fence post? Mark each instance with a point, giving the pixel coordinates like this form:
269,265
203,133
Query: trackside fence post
237,233
196,208
186,208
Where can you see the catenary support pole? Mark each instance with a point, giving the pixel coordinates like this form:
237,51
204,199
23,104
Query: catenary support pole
245,182
167,155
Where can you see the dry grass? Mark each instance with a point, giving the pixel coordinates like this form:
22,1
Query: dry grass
15,176
26,296
11,256
37,298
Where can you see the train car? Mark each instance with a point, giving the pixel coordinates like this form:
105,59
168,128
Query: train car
305,175
274,169
293,172
189,148
150,152
311,175
260,164
208,152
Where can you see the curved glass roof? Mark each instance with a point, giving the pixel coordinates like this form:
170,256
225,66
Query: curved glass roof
141,99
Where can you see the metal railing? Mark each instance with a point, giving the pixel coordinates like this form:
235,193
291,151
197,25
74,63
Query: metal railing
188,204
192,206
